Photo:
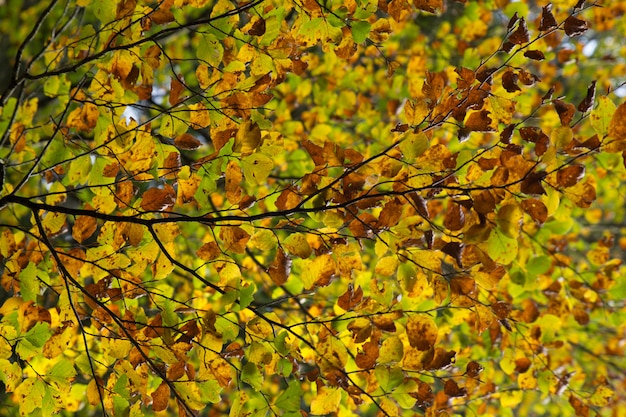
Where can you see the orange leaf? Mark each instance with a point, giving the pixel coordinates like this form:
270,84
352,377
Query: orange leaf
234,238
479,121
187,142
234,177
176,88
161,397
83,228
158,199
280,269
351,298
366,358
617,125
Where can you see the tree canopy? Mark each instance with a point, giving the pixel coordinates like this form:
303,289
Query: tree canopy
303,207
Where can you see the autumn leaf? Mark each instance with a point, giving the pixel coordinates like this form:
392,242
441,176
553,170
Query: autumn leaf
364,208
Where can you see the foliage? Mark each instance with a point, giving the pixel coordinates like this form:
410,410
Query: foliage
326,208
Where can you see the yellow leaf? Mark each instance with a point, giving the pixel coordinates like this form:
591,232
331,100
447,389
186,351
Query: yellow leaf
327,401
617,126
297,245
54,222
391,351
422,332
527,380
511,399
387,266
416,111
510,218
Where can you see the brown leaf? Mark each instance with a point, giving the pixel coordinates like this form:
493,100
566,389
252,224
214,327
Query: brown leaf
452,389
366,358
385,323
473,369
158,199
176,371
111,170
512,21
125,8
280,269
455,218
507,134
485,75
454,249
522,365
527,78
422,332
570,175
466,77
532,183
390,214
433,87
581,409
536,209
532,134
521,35
484,202
441,359
479,121
501,309
187,142
547,22
575,26
176,88
463,286
424,395
535,55
258,28
507,46
587,103
431,6
565,111
509,81
209,251
548,95
351,298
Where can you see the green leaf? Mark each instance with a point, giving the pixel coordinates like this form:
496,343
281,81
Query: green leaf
501,248
360,30
538,265
29,284
250,374
601,116
39,334
290,399
210,50
413,145
256,168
